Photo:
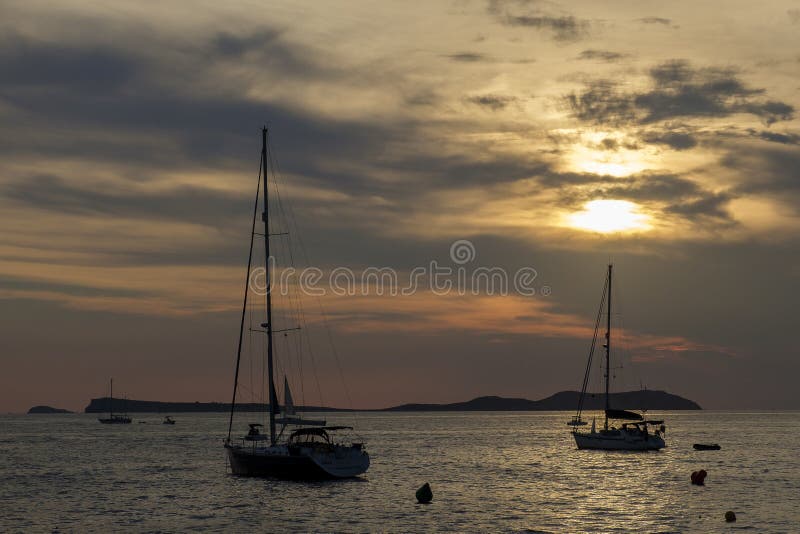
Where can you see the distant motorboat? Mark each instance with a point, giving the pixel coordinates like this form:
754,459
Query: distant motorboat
706,447
113,419
168,420
637,434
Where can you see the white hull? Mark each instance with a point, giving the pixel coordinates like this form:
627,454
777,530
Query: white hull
336,461
618,440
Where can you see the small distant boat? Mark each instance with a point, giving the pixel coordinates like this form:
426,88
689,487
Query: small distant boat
637,434
168,421
113,419
706,447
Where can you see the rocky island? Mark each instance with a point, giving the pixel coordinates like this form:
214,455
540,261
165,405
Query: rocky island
562,401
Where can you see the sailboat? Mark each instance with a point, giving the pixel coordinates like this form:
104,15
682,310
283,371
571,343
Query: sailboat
113,419
636,433
300,448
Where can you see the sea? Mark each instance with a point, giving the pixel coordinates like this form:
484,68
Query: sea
489,472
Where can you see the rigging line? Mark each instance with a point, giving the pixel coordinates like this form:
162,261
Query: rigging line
292,348
627,373
277,176
291,303
326,323
592,349
244,304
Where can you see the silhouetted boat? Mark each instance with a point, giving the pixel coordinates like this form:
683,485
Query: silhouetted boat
308,452
168,420
706,447
634,435
114,419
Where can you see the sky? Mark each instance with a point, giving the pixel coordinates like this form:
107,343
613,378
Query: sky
549,136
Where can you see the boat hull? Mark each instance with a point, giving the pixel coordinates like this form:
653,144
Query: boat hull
297,464
115,420
618,441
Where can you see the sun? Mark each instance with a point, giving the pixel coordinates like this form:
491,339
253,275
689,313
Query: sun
607,216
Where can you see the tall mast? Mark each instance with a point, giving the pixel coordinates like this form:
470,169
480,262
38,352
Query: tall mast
268,324
111,401
608,344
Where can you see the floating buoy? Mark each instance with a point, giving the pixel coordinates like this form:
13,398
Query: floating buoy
698,477
730,517
424,494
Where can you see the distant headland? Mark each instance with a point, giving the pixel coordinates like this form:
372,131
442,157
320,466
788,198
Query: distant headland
47,409
562,401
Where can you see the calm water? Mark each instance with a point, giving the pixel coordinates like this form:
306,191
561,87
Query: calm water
488,471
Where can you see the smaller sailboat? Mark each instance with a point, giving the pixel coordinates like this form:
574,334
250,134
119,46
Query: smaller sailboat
113,419
637,433
168,420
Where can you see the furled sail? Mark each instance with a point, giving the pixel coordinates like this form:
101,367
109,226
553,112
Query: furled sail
288,404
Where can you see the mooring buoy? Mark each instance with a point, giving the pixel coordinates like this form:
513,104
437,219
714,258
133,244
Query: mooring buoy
424,494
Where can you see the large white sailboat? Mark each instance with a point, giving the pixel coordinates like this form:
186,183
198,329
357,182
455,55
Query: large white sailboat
293,447
634,434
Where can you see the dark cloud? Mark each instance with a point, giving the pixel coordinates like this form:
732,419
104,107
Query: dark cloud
674,194
674,140
228,44
655,20
678,91
467,57
770,169
602,55
272,52
775,137
148,113
519,13
26,64
601,102
185,204
566,28
706,206
493,102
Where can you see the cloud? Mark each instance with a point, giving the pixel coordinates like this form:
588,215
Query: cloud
775,137
677,90
467,57
655,20
772,169
492,101
563,28
672,139
27,63
602,55
665,192
191,204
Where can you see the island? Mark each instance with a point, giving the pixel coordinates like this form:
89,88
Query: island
47,409
562,401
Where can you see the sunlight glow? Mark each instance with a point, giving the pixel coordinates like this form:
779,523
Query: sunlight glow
605,153
616,169
606,216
